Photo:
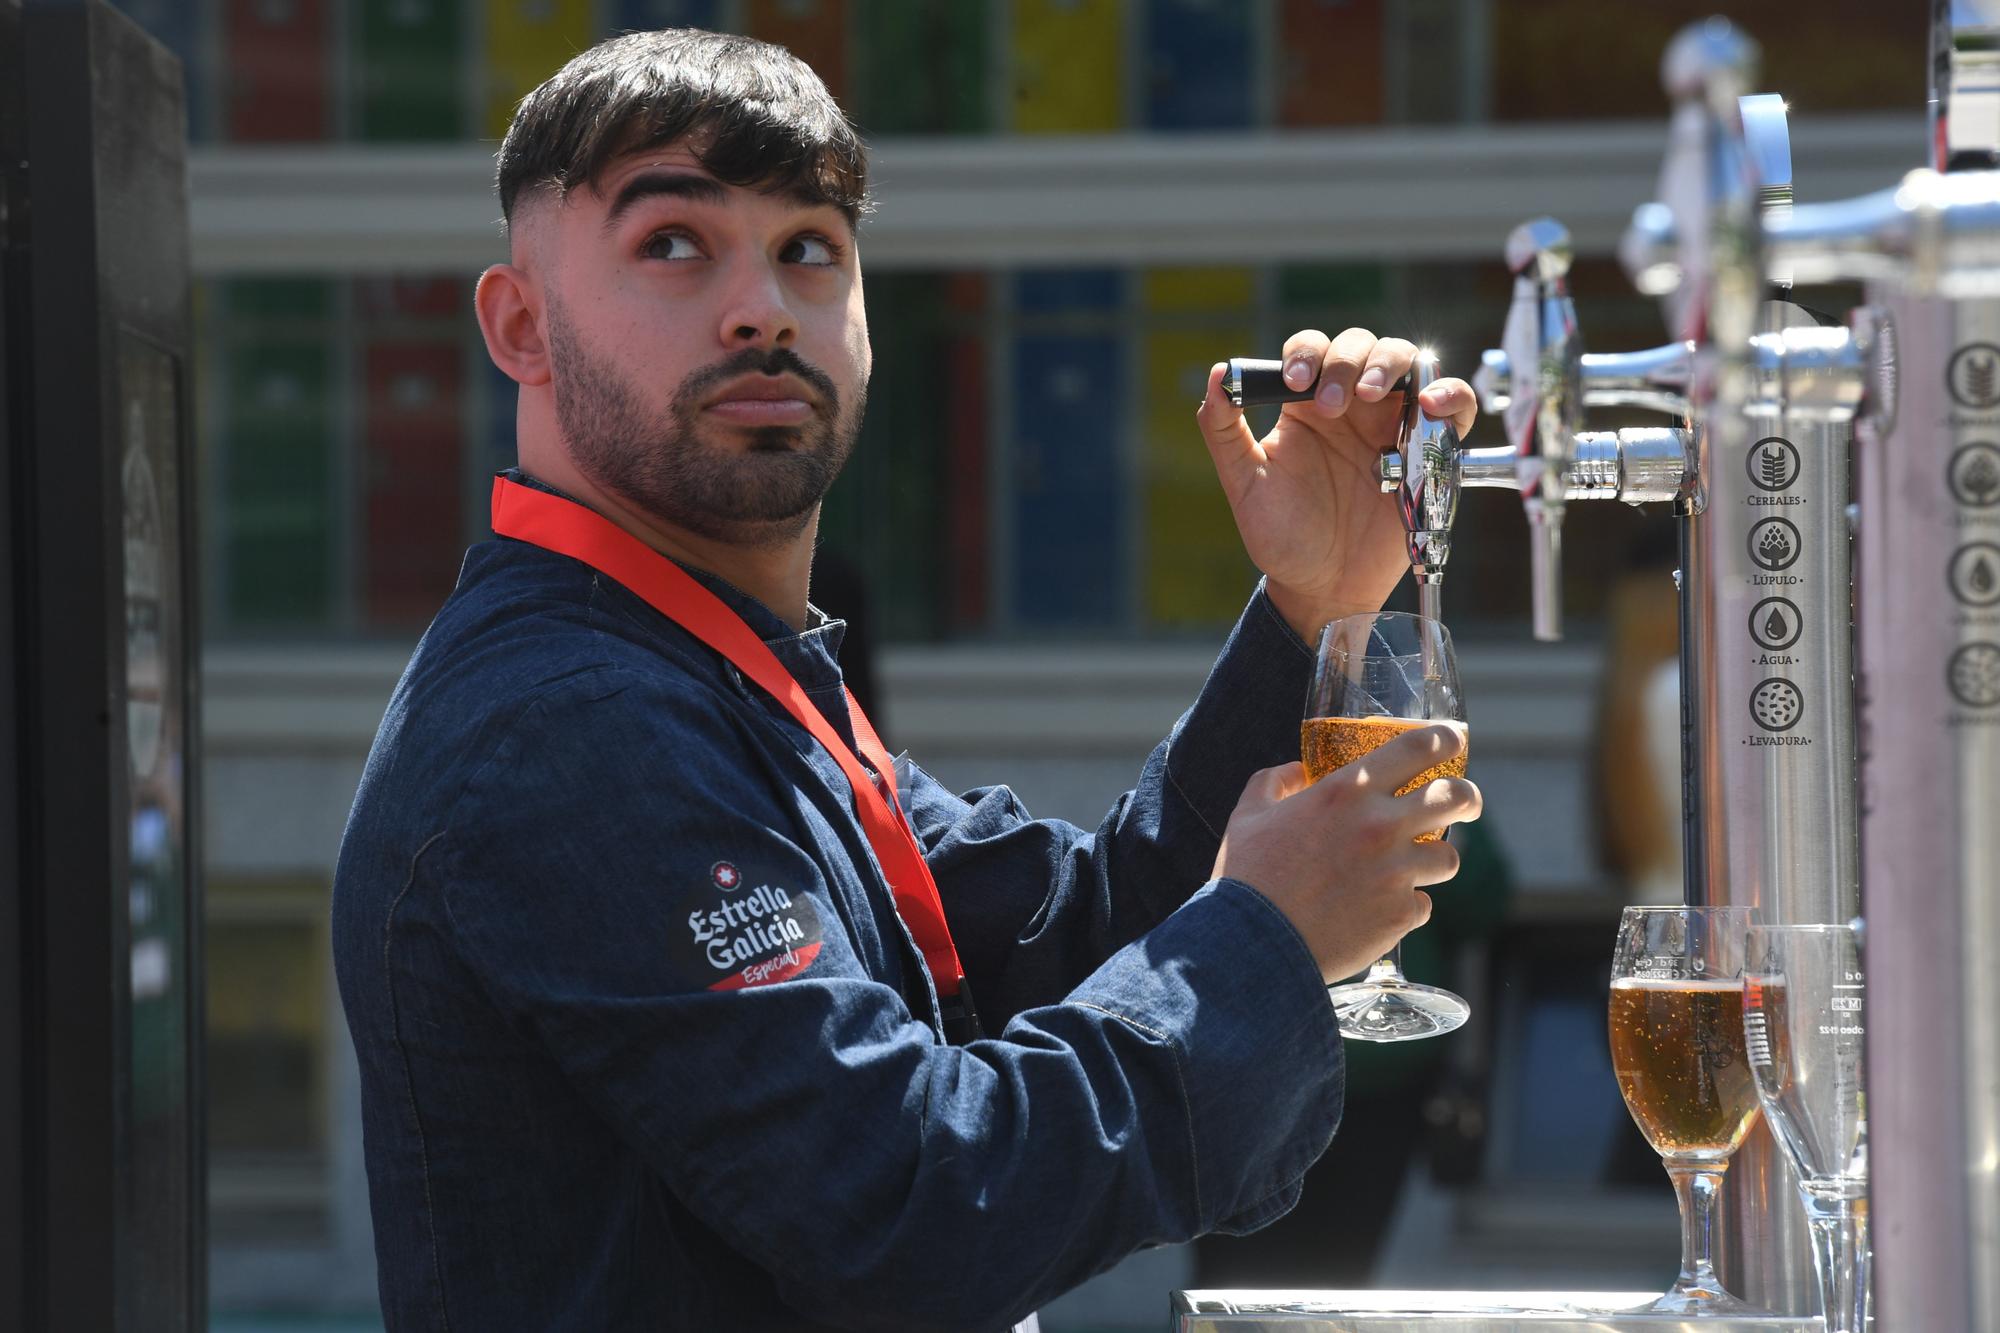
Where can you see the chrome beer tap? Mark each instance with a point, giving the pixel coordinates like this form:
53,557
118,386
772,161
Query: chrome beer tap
1545,401
1654,380
1550,461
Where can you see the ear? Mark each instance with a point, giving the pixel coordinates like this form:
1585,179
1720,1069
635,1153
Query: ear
509,309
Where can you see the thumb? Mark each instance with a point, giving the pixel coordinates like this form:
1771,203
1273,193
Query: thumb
1223,428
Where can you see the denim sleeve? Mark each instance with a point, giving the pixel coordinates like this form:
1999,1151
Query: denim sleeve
1038,904
882,1179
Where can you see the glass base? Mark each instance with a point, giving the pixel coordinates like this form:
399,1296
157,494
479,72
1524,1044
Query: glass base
1700,1298
1395,1010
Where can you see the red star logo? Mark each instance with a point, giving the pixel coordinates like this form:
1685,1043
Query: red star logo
725,875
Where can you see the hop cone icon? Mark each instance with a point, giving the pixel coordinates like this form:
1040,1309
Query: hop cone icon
1774,547
1979,375
1980,479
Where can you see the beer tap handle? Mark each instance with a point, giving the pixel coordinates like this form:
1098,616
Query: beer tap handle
1545,399
1654,379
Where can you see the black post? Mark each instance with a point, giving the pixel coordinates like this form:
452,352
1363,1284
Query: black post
106,1170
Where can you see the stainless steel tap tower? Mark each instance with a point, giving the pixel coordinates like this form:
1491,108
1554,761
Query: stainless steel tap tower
1929,646
1757,472
1923,356
1758,477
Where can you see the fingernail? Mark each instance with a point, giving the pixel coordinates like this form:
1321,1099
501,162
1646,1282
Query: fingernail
1298,372
1374,380
1331,396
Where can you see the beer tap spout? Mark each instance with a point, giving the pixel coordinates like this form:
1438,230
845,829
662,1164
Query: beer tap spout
1426,484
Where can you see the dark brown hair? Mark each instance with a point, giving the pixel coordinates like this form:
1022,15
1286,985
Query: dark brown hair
759,117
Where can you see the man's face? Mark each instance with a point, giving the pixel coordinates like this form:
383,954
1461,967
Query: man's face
708,347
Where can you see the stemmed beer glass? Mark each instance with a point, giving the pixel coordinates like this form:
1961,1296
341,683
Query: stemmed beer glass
1376,677
1677,1048
1804,1025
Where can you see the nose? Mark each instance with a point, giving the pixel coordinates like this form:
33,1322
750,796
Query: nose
756,311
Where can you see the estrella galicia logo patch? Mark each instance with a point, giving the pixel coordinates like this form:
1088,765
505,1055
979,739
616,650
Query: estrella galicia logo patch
740,937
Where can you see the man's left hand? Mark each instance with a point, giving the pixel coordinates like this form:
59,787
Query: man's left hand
1307,497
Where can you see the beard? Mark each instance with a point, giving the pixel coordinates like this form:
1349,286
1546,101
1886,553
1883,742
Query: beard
657,460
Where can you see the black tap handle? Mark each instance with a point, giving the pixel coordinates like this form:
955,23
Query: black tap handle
1250,382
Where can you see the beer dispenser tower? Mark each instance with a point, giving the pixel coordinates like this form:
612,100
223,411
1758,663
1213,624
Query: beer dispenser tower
1757,473
1758,478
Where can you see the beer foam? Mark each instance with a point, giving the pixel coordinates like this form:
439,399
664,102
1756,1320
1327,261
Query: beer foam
1676,983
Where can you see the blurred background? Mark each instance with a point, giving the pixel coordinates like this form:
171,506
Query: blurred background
1083,204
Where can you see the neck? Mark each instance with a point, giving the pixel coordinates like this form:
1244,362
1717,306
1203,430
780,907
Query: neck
775,572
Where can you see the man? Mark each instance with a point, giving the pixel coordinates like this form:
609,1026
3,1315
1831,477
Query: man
646,1040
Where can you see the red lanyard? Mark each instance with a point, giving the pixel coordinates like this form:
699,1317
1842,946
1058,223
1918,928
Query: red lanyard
567,528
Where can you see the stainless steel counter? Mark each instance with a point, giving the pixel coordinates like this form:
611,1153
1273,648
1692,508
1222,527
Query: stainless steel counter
1452,1312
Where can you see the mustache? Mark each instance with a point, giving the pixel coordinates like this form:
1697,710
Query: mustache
756,361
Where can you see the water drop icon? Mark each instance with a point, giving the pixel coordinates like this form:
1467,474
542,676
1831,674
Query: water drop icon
1774,625
1981,577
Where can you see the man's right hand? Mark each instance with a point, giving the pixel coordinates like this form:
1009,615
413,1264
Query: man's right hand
1339,857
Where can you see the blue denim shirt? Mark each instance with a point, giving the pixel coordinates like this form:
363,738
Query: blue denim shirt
644,1044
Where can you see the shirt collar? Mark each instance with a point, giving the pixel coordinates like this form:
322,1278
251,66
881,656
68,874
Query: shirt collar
811,655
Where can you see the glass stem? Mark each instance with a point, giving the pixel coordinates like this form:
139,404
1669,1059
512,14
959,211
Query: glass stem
1840,1253
1389,967
1696,1188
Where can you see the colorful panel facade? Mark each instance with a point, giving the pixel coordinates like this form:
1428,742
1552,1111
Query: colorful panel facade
1068,519
276,428
921,68
1199,65
1068,65
526,41
277,83
1329,62
813,30
1194,570
406,66
412,490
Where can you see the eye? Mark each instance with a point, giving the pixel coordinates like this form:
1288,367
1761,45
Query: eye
812,251
673,246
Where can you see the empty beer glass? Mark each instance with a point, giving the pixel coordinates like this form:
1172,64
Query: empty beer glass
1677,1048
1378,676
1804,1024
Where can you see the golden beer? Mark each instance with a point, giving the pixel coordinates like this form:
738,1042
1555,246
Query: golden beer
1677,1048
1327,743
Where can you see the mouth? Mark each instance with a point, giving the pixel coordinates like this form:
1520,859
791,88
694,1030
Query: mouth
763,400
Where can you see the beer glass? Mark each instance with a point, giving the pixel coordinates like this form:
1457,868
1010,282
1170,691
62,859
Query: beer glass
1803,1026
1376,677
1677,1048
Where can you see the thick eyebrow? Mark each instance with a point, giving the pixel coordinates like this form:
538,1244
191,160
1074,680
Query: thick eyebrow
696,189
674,185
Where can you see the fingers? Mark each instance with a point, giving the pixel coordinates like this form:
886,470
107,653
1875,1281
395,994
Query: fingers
1438,803
1340,369
1431,863
1388,361
1304,356
1222,426
1392,766
1268,786
1453,400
